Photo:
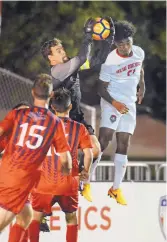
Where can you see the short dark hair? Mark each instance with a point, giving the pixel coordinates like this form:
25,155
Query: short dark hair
46,47
43,86
22,103
123,30
61,100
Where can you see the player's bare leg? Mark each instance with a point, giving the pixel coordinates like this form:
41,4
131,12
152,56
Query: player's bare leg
96,158
105,136
72,227
6,218
18,231
120,160
34,228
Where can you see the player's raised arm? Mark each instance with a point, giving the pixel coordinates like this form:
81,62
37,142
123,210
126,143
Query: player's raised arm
62,147
101,49
7,123
62,66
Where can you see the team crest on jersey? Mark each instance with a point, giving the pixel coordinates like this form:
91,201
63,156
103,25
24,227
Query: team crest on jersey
162,215
37,116
113,118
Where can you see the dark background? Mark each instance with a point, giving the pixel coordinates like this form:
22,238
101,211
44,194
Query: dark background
25,25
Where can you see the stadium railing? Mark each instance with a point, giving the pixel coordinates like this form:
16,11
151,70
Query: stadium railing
136,171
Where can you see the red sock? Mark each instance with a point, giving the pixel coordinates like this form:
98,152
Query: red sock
16,233
72,233
33,231
25,237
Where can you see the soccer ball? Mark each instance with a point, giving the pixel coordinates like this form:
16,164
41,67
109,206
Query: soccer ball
101,29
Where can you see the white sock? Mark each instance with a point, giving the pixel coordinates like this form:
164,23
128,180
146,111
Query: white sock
120,162
93,167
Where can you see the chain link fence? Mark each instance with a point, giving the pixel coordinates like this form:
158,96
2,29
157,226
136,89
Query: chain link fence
13,89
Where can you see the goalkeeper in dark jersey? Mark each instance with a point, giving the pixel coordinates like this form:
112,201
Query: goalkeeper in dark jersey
64,71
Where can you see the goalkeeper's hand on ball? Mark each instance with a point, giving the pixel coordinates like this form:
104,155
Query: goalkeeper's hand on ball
102,48
88,27
110,38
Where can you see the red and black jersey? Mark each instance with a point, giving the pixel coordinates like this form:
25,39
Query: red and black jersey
33,130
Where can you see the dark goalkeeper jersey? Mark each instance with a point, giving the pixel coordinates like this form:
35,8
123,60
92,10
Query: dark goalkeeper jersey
66,75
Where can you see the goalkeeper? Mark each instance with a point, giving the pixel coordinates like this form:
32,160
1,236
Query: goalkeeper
64,71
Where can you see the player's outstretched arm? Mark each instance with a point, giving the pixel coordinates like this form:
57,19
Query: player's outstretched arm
101,49
62,71
87,41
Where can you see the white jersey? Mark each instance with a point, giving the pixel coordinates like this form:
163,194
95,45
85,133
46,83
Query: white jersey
123,75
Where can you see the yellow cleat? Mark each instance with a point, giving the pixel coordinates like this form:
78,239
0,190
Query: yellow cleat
117,195
87,192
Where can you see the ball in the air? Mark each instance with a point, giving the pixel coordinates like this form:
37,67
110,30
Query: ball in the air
101,29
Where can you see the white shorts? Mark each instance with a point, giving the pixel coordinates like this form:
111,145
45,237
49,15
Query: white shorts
112,119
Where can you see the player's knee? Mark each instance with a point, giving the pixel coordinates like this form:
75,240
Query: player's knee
24,221
122,147
103,142
37,215
6,218
71,218
1,226
96,150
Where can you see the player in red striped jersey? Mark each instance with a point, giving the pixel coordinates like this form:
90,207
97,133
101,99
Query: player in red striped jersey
53,187
5,138
32,132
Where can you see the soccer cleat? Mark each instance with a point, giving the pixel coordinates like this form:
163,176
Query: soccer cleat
117,195
86,193
44,226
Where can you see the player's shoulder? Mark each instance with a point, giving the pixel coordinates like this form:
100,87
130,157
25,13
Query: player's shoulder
112,53
77,124
54,71
74,122
112,58
54,117
12,113
138,51
53,68
57,71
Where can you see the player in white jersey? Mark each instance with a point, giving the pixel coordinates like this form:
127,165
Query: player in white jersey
120,76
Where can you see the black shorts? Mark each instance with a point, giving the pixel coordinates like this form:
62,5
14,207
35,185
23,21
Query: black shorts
79,117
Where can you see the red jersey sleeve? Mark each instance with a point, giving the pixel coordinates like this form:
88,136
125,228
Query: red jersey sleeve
7,123
84,138
59,141
3,142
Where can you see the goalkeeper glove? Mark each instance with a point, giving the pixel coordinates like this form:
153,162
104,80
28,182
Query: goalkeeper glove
88,27
110,38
